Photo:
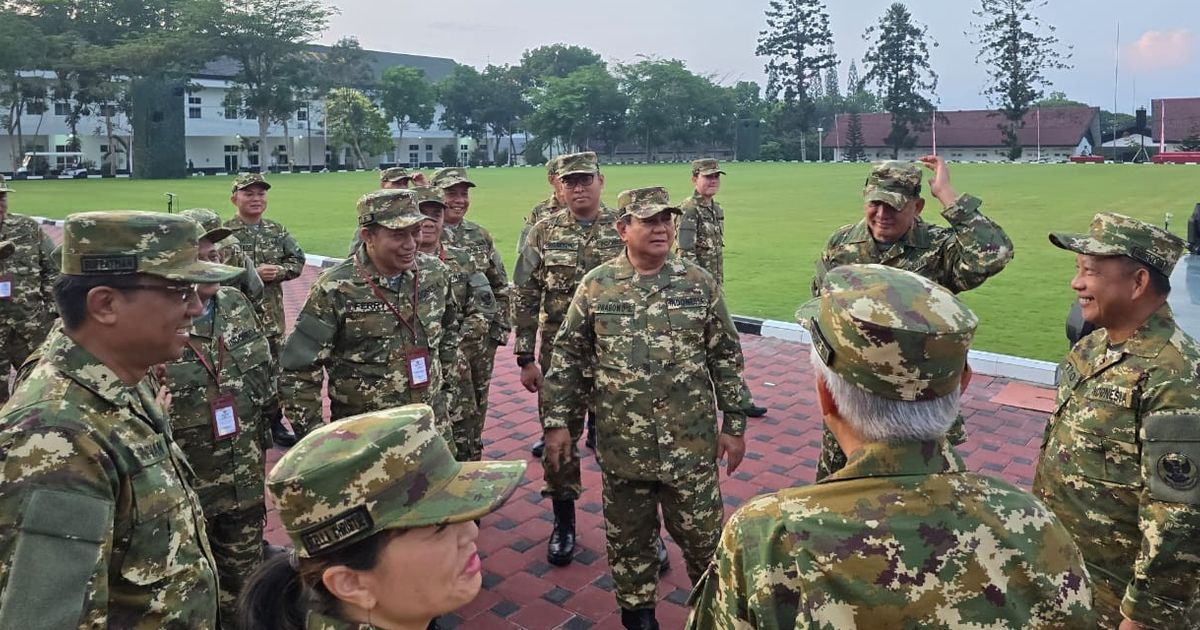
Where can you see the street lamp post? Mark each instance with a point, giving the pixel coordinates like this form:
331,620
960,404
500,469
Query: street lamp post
820,144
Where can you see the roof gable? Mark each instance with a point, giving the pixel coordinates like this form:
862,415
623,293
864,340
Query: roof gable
436,68
1178,117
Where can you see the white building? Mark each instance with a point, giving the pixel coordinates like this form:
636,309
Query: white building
218,140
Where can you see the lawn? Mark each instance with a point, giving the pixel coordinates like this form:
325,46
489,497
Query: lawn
777,218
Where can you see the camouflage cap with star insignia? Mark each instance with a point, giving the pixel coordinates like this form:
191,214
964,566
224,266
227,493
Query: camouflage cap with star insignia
393,208
644,203
208,219
128,242
1113,234
388,469
394,174
894,183
584,163
4,185
890,332
246,180
707,166
451,176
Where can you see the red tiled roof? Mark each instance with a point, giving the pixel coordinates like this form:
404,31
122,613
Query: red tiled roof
1060,126
1181,119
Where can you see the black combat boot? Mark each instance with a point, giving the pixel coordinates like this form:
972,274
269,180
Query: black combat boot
590,440
664,563
639,619
539,447
561,549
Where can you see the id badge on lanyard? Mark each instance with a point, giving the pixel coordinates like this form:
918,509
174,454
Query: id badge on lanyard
225,423
6,287
417,360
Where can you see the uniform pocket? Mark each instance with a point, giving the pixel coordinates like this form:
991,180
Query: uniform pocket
561,267
614,342
161,521
188,383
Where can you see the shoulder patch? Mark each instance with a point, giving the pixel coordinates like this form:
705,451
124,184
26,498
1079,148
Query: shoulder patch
1178,471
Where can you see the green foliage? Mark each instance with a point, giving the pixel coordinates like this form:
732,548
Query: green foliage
449,155
1017,55
898,64
355,122
533,155
553,61
504,106
574,110
1059,99
1192,141
462,95
407,98
797,42
344,64
673,107
855,151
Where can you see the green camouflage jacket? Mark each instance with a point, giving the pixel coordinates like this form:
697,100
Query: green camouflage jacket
902,537
230,472
268,243
230,251
344,330
488,274
700,235
1120,466
543,209
960,257
658,355
99,526
558,252
33,271
472,292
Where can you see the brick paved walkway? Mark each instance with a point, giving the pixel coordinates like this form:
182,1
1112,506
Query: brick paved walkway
1004,419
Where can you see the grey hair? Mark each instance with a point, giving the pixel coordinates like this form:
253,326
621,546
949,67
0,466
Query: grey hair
879,419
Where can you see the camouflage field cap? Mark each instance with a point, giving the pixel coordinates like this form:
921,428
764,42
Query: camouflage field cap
552,165
388,469
706,166
894,183
394,174
246,180
392,208
1113,234
429,194
451,176
125,242
4,185
208,219
644,203
890,331
578,163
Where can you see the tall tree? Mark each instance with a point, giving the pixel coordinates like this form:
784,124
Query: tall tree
22,47
407,98
833,87
267,38
898,64
553,61
355,122
344,64
669,104
504,106
855,150
748,102
797,43
462,97
583,107
1018,51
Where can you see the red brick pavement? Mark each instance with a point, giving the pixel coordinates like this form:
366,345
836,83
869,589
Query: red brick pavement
522,591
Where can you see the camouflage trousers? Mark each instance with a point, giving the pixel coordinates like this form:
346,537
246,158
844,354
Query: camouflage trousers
833,459
236,538
692,511
474,382
567,483
18,340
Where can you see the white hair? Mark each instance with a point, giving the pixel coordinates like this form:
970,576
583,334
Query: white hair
879,419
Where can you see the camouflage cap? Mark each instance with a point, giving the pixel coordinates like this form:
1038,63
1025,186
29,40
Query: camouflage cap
208,219
890,332
429,194
4,185
126,242
644,203
451,176
578,163
388,469
246,180
552,165
392,208
894,183
394,174
706,166
1115,234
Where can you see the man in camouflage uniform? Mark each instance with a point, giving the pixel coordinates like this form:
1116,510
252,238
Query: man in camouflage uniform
903,536
558,251
99,526
219,389
545,207
960,257
383,325
278,258
27,274
700,230
1120,461
476,308
394,178
648,339
489,288
229,251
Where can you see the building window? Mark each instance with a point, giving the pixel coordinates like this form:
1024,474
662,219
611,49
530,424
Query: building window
414,159
429,156
429,147
193,112
414,147
193,100
231,113
302,114
462,147
60,108
36,108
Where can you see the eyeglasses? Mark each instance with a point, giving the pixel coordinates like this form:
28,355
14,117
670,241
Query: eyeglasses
578,181
185,292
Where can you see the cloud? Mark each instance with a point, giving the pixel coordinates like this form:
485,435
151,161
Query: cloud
1160,50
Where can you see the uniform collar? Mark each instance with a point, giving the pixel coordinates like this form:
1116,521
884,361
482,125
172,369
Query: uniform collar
606,215
701,201
363,261
1150,338
898,459
917,236
81,366
317,621
670,269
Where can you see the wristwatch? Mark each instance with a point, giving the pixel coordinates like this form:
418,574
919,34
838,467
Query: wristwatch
524,359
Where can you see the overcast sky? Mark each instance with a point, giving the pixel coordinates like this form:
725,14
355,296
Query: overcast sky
1159,54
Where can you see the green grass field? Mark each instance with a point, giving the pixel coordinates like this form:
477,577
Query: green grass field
777,218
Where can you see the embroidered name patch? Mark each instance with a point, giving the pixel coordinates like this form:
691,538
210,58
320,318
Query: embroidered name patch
149,453
694,301
366,307
117,263
560,246
336,530
609,243
240,337
1121,396
614,308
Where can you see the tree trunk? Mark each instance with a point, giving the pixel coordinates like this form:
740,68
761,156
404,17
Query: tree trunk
400,141
512,150
112,149
287,143
263,124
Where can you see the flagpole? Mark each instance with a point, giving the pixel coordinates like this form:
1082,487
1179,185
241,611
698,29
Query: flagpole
1039,133
934,126
1162,125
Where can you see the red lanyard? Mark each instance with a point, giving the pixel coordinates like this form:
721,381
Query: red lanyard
216,373
386,302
